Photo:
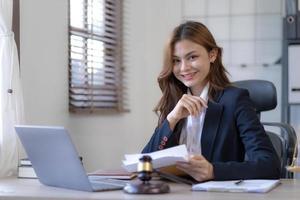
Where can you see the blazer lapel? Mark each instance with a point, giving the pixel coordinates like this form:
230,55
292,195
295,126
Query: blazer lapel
210,128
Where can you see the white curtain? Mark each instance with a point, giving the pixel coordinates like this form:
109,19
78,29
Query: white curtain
11,99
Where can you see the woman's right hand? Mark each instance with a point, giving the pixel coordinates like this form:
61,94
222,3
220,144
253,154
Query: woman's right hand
187,105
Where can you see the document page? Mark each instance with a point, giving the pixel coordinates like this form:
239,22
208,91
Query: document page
160,159
113,174
255,185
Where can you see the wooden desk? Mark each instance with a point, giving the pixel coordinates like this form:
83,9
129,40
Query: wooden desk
32,189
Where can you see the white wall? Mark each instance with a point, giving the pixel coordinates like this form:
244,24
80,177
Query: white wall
102,140
250,33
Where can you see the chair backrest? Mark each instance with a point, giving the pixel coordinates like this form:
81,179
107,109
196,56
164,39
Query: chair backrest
264,96
262,93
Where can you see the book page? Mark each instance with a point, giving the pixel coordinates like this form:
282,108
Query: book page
113,174
160,159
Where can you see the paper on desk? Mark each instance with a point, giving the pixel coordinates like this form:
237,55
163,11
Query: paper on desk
255,185
160,158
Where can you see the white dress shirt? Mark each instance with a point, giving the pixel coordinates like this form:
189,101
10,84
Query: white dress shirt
192,129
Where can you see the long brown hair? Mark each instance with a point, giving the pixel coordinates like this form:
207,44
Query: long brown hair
172,89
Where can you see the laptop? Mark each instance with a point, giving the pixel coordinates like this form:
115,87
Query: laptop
56,162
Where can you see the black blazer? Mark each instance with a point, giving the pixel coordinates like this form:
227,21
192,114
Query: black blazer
233,139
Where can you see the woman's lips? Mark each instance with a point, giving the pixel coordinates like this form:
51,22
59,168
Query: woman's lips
188,76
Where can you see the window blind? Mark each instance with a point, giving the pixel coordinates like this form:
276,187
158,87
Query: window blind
95,56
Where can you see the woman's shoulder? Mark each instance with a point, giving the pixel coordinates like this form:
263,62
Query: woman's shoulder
231,95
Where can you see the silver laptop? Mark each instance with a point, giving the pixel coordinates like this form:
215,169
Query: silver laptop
56,162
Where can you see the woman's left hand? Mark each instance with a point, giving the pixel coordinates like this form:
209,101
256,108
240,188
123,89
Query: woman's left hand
197,167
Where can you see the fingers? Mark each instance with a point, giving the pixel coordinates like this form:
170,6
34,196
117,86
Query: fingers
203,102
193,104
197,167
196,159
196,173
187,105
195,162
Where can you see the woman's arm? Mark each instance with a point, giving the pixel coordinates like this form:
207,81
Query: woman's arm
187,105
262,160
159,138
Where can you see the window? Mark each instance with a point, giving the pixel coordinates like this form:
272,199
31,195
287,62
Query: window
95,56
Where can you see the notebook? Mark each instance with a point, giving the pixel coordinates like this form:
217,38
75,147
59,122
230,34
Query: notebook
56,162
255,185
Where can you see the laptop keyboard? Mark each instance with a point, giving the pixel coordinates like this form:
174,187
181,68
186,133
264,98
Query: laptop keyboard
101,184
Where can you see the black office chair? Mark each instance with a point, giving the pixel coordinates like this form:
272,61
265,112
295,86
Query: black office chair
264,96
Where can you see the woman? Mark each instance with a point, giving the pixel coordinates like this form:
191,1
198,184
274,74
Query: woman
201,109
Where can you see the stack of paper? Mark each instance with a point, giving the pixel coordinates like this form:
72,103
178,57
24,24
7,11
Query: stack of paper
258,185
113,174
25,169
160,159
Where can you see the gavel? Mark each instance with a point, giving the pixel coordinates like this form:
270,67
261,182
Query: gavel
145,169
143,185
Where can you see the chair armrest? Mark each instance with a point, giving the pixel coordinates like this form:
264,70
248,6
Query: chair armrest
289,135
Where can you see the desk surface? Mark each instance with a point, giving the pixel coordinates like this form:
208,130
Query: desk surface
32,189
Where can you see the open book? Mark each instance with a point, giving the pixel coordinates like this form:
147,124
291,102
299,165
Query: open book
255,185
113,174
163,158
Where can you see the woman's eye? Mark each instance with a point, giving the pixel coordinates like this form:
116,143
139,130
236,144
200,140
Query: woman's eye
176,61
193,57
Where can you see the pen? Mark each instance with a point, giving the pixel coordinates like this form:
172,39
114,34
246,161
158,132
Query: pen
238,182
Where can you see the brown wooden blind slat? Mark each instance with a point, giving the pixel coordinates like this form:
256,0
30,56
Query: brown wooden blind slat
95,71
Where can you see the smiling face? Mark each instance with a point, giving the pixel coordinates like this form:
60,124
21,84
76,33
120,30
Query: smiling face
191,64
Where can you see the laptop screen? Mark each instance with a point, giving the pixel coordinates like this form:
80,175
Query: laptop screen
53,156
